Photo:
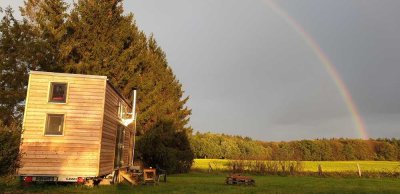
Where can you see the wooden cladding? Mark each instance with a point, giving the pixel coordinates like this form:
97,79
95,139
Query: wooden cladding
70,125
111,122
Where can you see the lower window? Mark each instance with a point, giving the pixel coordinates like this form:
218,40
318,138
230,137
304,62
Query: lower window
54,124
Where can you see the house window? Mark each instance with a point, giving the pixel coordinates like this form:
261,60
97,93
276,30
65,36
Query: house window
58,92
122,110
54,124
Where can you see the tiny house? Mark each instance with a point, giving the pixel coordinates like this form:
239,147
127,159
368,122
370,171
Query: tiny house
75,127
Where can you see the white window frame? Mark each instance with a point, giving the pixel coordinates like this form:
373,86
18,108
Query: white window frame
50,92
122,110
47,122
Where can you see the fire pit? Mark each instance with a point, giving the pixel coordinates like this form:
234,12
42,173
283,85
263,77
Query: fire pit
238,179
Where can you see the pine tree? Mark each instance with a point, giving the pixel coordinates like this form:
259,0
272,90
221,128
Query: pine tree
47,21
30,44
19,52
164,97
101,40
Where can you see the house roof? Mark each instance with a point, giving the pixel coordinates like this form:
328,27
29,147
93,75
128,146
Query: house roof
68,74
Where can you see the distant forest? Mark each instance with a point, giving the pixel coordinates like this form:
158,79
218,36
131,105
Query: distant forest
221,146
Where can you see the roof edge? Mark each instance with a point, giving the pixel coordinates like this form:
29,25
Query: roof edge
119,94
68,74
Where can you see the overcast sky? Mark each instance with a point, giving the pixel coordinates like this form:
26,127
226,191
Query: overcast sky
248,72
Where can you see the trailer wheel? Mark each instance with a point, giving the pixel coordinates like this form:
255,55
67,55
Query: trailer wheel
25,184
89,183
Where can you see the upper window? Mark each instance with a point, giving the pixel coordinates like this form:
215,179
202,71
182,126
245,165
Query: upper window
54,124
58,92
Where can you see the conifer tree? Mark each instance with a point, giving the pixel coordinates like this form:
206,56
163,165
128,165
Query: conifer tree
19,52
101,40
47,21
164,99
30,44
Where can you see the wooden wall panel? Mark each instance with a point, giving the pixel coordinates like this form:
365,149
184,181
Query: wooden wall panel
109,132
76,152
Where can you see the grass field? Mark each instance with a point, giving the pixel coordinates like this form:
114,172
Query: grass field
312,166
214,183
200,182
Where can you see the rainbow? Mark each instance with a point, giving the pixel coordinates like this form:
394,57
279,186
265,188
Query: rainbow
329,66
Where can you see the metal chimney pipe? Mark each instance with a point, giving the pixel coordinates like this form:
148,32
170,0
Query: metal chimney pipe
134,120
134,104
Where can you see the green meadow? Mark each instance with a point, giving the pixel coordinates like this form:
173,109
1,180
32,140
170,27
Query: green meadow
198,181
214,183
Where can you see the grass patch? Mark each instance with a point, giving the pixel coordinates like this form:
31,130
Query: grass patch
214,183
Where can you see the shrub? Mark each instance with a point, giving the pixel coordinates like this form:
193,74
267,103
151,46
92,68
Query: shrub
237,166
9,148
166,148
265,167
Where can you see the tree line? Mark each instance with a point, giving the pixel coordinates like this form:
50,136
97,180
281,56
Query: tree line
208,145
87,37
